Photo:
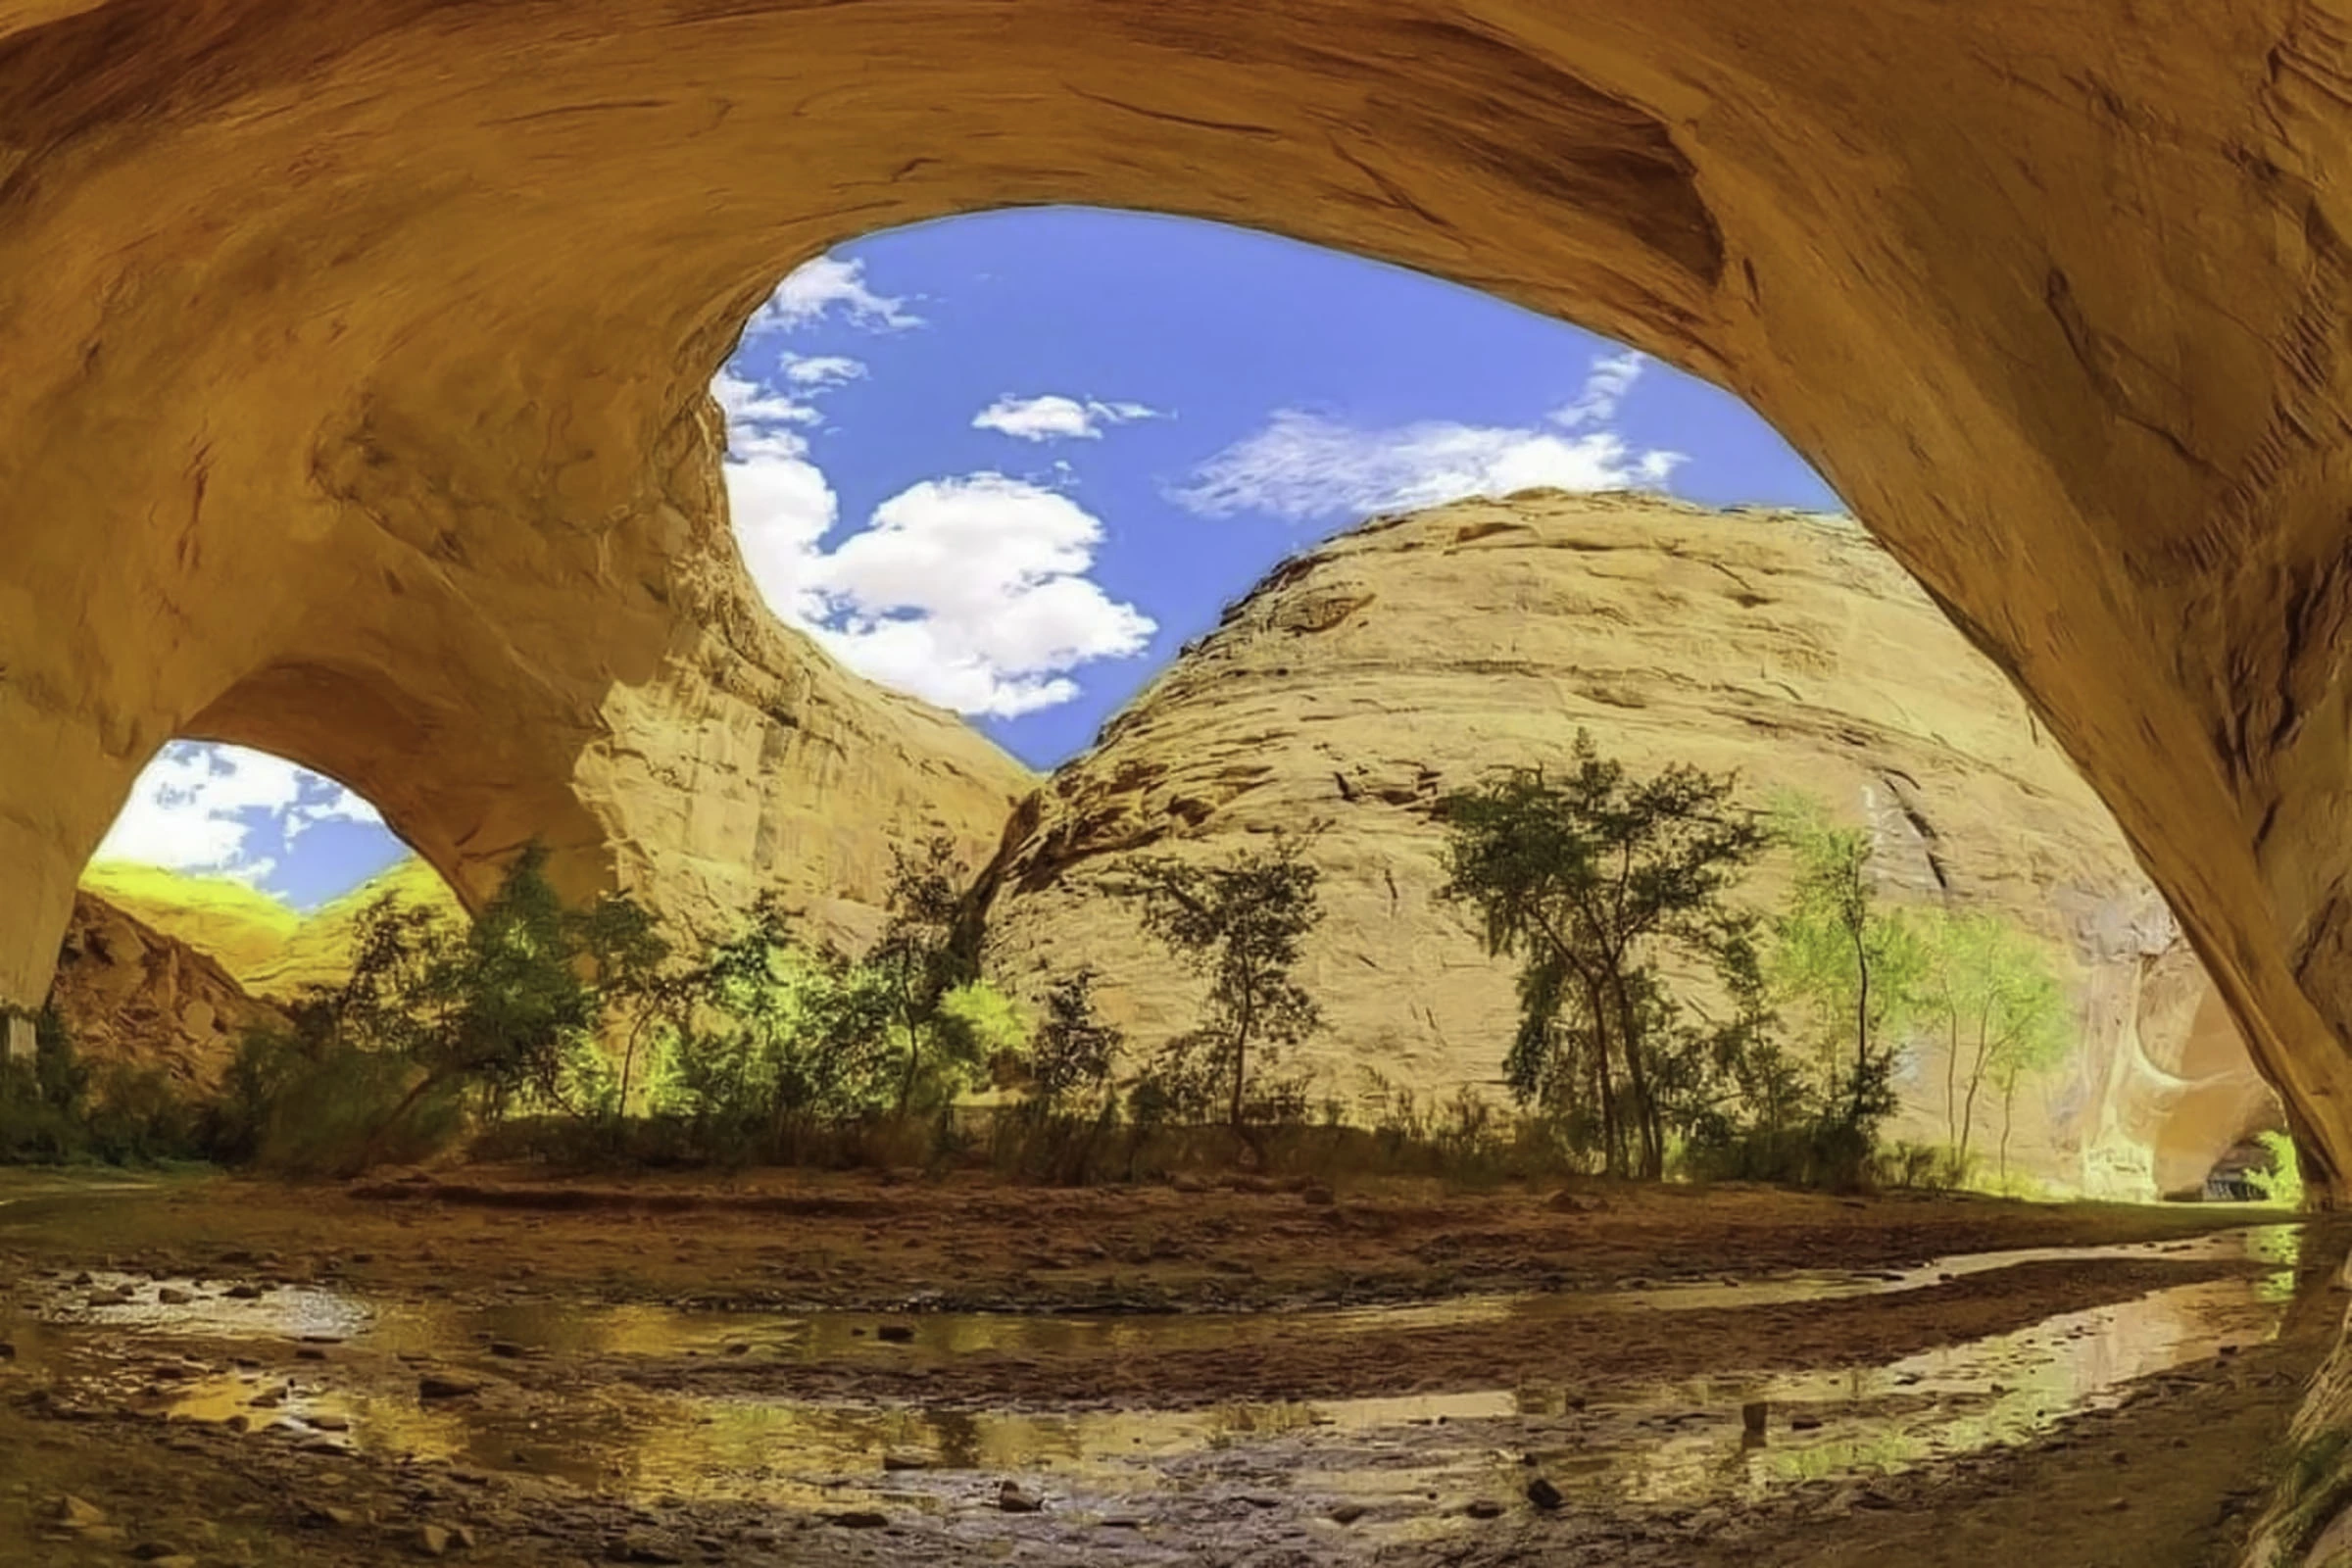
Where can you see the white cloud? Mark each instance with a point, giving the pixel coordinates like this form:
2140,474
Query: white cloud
818,371
1304,466
198,808
972,593
1054,418
817,288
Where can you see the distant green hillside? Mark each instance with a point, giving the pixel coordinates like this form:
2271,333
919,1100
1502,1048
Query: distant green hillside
272,950
319,952
241,926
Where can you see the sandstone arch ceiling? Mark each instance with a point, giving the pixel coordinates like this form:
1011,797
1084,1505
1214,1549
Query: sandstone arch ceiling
331,329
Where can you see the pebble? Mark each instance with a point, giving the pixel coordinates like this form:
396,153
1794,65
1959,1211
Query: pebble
1013,1498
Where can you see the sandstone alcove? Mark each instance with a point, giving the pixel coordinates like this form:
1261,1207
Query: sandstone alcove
376,341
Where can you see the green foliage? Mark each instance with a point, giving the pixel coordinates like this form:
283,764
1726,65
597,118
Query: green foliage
1852,969
1075,1052
1989,989
920,961
41,1100
1239,923
1594,879
2282,1183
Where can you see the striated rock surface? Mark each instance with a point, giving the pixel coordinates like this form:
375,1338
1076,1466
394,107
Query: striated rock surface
1361,681
133,995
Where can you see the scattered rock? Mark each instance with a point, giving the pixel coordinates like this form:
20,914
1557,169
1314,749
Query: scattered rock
1346,1513
243,1292
1544,1495
895,1333
446,1385
172,1296
1013,1498
857,1518
1484,1508
75,1513
330,1516
909,1459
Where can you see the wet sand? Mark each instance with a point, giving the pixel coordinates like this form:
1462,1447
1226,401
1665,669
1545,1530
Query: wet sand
805,1372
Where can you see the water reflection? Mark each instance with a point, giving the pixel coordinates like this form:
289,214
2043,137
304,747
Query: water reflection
1676,1442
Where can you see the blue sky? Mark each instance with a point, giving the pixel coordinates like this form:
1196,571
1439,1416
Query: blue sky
1012,463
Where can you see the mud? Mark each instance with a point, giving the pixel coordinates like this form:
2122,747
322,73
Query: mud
1772,1378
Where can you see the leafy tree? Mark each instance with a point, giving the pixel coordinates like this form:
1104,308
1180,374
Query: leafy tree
493,1007
1592,878
1855,968
1075,1052
1240,924
2282,1183
636,985
922,962
2002,1013
786,1034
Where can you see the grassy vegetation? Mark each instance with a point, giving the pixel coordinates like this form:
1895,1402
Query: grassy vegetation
317,953
241,926
1667,1029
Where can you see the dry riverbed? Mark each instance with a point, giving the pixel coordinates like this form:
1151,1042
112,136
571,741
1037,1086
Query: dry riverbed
507,1369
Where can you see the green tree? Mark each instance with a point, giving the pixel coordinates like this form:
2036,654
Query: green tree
636,985
922,962
2002,1012
1240,924
493,1007
1857,968
1592,878
1075,1052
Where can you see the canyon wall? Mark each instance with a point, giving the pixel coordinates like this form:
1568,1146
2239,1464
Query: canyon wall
1364,679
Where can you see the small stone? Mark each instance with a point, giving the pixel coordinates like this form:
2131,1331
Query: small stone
329,1423
75,1514
309,1352
909,1459
1753,1416
1804,1423
1484,1508
1346,1513
172,1296
433,1541
1013,1498
243,1292
446,1385
1544,1495
329,1516
895,1333
857,1518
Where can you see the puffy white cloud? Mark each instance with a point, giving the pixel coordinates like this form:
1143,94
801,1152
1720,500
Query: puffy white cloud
1055,417
822,370
972,593
199,807
817,288
1304,466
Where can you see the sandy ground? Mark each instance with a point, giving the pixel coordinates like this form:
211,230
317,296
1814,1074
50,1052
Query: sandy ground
1631,1323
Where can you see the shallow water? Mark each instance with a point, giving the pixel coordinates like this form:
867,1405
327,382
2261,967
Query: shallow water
1404,1458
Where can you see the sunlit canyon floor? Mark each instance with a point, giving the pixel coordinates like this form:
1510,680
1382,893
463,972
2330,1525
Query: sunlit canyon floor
852,1371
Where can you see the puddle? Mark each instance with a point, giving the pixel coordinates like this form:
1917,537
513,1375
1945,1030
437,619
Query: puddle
1404,1458
560,1328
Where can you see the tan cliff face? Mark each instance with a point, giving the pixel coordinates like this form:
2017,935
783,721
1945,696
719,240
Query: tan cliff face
356,361
1366,678
132,997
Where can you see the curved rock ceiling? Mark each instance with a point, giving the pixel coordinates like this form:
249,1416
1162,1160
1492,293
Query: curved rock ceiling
355,363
